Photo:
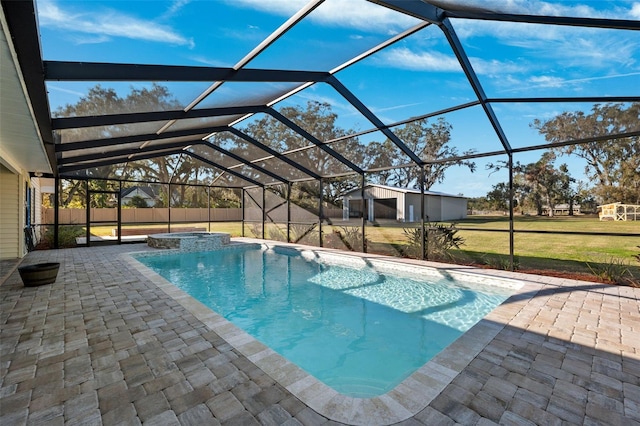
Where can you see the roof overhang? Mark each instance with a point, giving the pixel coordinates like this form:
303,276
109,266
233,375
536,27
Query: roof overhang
358,191
21,145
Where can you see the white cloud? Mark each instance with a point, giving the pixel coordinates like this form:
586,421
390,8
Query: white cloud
367,16
559,8
543,50
543,81
514,31
575,47
107,23
67,91
544,41
547,81
174,8
585,50
337,103
360,15
394,107
278,7
422,61
538,37
209,62
495,67
89,38
439,62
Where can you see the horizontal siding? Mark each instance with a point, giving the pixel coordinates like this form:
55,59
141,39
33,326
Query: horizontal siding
439,208
37,201
454,208
376,192
36,183
9,214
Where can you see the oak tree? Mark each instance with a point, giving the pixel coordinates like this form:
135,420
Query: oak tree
612,164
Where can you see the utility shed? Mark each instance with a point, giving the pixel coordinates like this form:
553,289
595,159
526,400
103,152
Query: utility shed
402,204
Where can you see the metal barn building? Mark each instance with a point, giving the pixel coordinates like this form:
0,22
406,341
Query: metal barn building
403,204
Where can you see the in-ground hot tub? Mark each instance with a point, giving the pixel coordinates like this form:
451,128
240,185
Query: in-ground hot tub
189,241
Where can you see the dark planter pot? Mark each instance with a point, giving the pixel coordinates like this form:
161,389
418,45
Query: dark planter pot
39,274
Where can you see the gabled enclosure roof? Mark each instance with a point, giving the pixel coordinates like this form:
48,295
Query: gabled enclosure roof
358,191
211,125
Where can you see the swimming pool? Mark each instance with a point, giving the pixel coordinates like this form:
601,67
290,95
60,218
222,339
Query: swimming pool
361,327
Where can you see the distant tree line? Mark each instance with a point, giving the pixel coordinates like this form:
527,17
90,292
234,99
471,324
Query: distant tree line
613,166
429,140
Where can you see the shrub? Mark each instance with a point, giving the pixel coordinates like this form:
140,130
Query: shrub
439,239
256,230
137,201
66,236
276,234
614,271
351,237
299,231
500,262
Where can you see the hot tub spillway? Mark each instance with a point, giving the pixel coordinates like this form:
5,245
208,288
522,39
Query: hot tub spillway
189,241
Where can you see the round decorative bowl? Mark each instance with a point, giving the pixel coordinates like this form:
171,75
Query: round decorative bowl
39,273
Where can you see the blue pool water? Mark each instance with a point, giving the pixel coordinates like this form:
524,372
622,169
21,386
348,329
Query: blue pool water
356,329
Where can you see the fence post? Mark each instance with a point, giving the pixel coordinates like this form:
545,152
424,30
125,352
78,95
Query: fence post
511,243
56,213
264,211
289,212
364,222
169,207
119,212
320,214
423,239
88,214
242,206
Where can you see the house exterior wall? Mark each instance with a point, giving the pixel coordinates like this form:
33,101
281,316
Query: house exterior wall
45,187
412,200
21,149
36,215
437,208
36,203
453,208
9,222
432,207
374,192
403,210
139,193
12,213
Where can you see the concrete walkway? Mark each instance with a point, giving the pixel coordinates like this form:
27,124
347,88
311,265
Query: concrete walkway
106,344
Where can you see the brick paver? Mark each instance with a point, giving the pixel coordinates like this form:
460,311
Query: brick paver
105,345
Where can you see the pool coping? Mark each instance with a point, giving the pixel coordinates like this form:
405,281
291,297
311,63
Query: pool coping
408,398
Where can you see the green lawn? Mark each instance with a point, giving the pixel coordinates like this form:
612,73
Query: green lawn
482,245
581,254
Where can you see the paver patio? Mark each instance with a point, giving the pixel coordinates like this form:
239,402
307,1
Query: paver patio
108,344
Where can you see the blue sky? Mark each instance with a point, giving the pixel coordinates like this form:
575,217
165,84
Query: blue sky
413,77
